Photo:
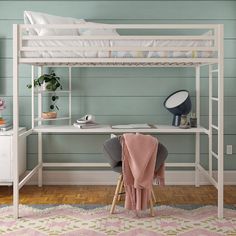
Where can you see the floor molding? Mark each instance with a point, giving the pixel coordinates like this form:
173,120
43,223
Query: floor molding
110,178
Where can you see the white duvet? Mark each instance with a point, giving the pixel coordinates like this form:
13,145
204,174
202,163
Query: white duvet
116,43
43,18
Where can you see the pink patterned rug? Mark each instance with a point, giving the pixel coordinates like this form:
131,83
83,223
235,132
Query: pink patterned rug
73,220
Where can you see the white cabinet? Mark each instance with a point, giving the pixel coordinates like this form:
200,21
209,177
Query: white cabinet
6,163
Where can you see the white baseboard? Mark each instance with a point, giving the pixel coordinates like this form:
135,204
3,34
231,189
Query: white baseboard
110,178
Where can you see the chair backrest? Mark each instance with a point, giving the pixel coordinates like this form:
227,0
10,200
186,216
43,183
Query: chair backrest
113,151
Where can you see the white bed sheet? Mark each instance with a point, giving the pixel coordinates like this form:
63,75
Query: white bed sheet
116,54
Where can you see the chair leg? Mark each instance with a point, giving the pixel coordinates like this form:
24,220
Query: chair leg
120,190
151,207
153,195
116,194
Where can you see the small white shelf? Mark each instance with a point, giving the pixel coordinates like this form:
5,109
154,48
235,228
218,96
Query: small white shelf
106,129
59,118
50,92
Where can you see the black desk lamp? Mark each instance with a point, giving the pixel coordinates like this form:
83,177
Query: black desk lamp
178,103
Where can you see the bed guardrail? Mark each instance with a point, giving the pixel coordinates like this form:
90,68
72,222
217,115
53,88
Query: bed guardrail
196,35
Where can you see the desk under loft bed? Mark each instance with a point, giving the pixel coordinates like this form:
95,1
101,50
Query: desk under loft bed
206,50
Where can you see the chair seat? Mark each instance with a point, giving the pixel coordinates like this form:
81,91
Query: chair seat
118,168
113,152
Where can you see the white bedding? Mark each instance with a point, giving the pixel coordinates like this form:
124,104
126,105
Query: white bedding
116,54
43,18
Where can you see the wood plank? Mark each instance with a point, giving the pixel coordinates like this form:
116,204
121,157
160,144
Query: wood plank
73,143
230,127
168,195
115,106
114,86
121,9
100,158
229,25
110,12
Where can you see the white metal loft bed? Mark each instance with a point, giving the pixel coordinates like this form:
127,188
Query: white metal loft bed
210,55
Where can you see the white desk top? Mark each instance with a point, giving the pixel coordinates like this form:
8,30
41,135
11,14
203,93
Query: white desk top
10,132
107,129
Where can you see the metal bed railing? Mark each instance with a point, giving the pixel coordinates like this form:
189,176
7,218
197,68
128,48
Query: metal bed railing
194,33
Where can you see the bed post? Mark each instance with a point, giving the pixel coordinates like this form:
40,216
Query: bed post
40,136
210,85
197,136
220,38
32,97
70,76
15,120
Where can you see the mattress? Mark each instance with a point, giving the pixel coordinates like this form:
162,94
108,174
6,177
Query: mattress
116,54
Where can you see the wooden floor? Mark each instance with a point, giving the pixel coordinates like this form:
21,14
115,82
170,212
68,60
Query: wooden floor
103,195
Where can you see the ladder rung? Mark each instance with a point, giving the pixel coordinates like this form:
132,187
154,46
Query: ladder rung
215,99
214,154
215,71
215,127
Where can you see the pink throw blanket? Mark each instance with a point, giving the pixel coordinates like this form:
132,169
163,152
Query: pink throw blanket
138,166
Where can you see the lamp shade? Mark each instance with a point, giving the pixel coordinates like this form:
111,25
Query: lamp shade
178,103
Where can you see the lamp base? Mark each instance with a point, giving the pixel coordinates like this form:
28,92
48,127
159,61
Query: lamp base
176,120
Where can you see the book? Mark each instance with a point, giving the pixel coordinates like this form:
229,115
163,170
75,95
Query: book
88,125
5,127
132,126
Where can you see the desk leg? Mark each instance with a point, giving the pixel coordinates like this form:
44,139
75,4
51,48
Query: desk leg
15,148
15,175
197,136
40,159
197,159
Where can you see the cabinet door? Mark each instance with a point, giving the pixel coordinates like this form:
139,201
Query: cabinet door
5,158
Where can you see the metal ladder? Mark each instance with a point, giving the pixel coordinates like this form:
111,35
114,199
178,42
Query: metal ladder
218,128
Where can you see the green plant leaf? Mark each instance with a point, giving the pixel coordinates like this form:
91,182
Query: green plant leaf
54,87
53,81
49,87
41,79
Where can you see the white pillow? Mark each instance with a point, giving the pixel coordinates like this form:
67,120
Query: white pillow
101,31
27,22
42,18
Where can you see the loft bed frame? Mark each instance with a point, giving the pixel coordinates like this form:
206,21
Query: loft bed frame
215,65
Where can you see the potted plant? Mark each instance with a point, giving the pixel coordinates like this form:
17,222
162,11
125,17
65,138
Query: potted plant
49,82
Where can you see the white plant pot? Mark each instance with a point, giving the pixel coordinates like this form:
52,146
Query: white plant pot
43,86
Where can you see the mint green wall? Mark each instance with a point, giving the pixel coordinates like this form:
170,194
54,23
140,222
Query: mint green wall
122,95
